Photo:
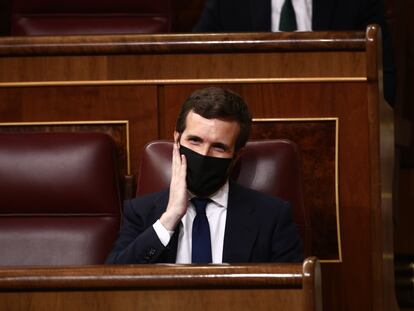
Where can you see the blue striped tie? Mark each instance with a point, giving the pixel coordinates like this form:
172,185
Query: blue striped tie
201,240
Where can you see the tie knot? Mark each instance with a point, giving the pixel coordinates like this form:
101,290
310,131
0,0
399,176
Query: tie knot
200,204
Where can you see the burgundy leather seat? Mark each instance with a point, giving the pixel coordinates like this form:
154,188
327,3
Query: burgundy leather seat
59,196
75,17
269,166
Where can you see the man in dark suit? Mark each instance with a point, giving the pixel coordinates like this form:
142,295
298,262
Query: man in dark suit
203,217
330,15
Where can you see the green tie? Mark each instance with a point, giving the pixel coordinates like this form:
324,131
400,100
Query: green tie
287,17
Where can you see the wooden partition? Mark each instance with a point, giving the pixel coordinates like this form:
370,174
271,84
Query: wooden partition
320,89
290,287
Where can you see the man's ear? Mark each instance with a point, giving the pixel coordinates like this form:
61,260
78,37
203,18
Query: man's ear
176,137
236,157
238,154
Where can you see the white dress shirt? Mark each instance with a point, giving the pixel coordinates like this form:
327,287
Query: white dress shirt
303,12
216,212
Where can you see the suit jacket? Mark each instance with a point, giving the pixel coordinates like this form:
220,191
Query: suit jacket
259,228
336,15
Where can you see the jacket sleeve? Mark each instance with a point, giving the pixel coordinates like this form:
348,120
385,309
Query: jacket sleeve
286,242
137,241
209,20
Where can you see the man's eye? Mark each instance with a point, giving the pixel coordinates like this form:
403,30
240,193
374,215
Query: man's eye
194,140
219,149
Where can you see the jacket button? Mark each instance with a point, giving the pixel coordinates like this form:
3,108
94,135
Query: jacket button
150,253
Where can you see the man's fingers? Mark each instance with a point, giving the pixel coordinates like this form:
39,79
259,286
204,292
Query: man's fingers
176,161
183,161
183,167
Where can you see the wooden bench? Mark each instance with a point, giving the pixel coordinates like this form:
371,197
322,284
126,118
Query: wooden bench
292,287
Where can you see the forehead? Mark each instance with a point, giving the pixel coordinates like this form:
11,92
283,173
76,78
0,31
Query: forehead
213,130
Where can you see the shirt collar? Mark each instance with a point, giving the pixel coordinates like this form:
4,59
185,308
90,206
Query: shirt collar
220,197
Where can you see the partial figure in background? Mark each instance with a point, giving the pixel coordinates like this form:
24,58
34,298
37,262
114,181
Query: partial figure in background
301,15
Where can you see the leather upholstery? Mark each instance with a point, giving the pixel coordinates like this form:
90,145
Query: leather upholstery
47,17
269,166
59,194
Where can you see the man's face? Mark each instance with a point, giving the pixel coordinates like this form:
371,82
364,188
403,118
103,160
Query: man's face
211,137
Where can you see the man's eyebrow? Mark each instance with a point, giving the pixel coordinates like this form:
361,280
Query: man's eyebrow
193,137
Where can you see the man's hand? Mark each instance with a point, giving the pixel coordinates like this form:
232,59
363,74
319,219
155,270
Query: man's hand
178,202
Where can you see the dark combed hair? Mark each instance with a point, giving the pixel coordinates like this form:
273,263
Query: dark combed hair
218,103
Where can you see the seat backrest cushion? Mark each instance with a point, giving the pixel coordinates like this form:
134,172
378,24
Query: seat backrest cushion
47,17
59,195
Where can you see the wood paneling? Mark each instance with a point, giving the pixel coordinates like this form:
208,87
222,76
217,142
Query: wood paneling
171,300
316,140
144,79
173,67
136,104
164,287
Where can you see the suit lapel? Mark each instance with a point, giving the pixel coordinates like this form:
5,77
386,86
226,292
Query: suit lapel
322,14
241,230
261,14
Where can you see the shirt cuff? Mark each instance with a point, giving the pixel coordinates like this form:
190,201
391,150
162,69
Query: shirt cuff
163,234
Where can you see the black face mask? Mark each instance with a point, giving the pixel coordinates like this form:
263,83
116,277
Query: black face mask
205,175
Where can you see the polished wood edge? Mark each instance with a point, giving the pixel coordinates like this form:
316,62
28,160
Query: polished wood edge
374,54
128,148
152,276
338,222
382,142
312,284
179,81
181,43
97,122
296,119
374,98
